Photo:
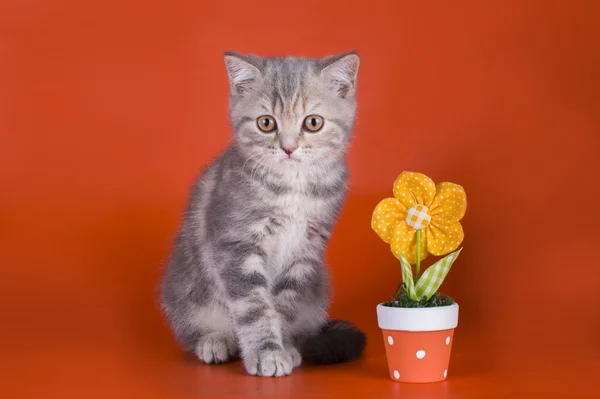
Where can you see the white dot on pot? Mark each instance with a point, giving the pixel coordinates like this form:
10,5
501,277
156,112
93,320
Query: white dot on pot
420,354
390,340
445,373
396,374
447,340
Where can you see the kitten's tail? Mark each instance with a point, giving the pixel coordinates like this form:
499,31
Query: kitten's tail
338,341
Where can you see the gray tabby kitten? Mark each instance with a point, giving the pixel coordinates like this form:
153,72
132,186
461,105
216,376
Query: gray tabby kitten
246,277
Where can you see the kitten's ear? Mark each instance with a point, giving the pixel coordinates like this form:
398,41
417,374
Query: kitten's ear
339,73
243,71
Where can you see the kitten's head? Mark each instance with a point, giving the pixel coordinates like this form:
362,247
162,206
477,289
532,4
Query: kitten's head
292,113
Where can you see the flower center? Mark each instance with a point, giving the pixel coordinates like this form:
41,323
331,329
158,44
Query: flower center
417,217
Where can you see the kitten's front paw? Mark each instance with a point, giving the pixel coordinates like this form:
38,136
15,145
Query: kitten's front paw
269,363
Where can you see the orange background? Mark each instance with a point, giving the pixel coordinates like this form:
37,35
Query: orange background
108,110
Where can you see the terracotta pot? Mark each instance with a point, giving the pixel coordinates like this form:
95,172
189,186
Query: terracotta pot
418,341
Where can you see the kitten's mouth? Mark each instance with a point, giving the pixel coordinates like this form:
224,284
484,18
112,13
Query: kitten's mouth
290,159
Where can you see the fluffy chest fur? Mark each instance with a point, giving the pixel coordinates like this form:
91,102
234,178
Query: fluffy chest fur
293,217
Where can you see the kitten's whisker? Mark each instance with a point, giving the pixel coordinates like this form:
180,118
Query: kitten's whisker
263,162
265,169
253,170
257,166
249,158
264,166
254,167
270,165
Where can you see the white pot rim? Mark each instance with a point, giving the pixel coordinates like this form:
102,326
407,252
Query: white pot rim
417,319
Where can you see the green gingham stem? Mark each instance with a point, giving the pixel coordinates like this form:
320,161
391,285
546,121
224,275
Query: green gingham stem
418,265
407,277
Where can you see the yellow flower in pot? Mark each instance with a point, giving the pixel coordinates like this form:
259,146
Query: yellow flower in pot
418,324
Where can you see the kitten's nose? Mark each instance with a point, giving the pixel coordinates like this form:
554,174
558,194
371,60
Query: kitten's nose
288,149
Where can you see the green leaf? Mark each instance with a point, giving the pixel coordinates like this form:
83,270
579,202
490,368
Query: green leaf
434,276
407,278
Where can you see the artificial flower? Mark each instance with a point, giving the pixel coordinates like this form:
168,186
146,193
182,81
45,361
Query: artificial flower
419,204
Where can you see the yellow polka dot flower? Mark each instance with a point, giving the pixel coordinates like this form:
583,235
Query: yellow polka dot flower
422,218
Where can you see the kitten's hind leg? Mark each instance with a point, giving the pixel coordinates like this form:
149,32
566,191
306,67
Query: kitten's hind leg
217,347
217,342
295,354
204,331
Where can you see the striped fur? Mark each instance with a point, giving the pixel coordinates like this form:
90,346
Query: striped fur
246,275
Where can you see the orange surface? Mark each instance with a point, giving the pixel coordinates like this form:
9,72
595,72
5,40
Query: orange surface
109,108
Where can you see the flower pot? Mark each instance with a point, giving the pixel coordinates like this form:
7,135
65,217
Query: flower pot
418,341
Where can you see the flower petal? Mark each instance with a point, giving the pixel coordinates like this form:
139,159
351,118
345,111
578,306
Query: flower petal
449,205
443,239
413,188
404,241
386,216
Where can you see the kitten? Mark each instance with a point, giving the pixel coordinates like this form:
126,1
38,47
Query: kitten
246,277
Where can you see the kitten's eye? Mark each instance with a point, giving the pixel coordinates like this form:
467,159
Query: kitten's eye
313,123
266,123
